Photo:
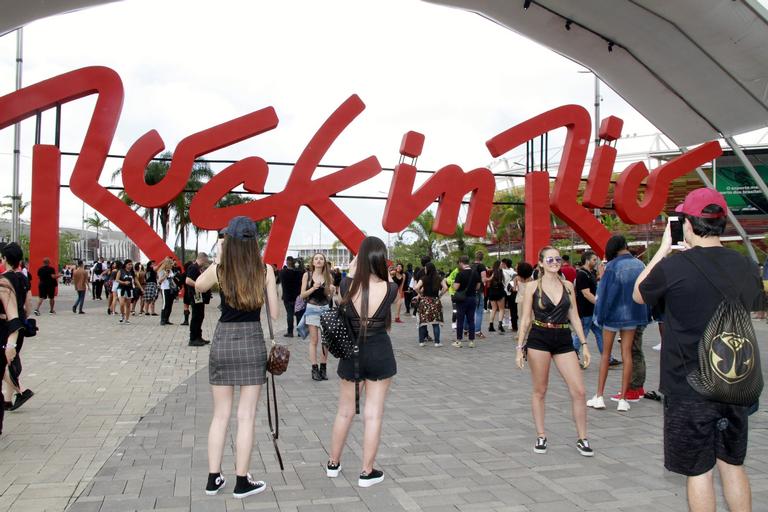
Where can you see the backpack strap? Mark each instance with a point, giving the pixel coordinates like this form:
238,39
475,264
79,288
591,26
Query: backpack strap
720,267
358,343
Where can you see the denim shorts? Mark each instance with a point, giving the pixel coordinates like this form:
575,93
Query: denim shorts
312,314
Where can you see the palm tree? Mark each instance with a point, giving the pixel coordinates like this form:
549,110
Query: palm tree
158,218
201,172
421,227
96,222
8,207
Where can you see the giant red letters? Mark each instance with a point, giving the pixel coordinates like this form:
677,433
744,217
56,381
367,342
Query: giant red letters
449,185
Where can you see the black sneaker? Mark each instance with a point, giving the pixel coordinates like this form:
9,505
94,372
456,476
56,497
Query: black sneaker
216,483
74,309
541,445
372,478
36,312
21,399
247,486
316,373
332,470
614,363
501,327
197,343
205,341
323,372
583,446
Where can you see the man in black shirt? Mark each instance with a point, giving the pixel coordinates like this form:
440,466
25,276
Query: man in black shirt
290,280
47,279
699,433
466,285
197,304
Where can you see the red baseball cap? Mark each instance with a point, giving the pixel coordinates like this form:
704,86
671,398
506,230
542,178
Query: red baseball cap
699,199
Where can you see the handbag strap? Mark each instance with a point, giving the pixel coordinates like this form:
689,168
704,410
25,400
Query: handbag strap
274,429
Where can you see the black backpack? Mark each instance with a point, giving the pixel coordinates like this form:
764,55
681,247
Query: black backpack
729,358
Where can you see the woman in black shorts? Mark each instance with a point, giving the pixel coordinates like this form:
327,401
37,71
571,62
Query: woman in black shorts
549,304
238,354
367,277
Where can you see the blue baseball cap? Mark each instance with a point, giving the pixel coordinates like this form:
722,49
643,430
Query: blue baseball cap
242,228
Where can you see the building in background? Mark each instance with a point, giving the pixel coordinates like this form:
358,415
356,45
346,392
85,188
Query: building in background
337,254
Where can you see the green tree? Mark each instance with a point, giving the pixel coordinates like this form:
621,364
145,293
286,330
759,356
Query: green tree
201,173
66,247
509,220
421,228
263,225
98,223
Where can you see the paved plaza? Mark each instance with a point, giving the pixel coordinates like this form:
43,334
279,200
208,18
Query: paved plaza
120,417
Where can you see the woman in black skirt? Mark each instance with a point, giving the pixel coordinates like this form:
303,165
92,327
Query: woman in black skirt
238,354
376,366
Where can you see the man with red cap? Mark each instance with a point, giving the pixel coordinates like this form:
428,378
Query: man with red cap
699,434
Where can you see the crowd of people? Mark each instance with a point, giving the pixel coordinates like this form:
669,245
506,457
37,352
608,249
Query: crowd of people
549,306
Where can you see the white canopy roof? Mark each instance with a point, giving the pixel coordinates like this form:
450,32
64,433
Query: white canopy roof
697,69
17,13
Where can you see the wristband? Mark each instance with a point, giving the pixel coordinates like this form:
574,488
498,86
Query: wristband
520,347
583,344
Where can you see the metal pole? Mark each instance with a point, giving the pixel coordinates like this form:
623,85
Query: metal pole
15,199
736,224
597,111
748,165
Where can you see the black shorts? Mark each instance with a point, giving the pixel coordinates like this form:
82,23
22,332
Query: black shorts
377,360
697,432
554,341
45,291
125,292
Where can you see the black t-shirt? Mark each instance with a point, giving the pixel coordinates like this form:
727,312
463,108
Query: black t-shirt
45,274
689,303
481,269
290,280
585,280
20,287
467,279
193,272
129,276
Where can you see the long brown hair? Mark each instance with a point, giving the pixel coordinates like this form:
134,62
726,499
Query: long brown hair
327,279
541,273
371,260
241,273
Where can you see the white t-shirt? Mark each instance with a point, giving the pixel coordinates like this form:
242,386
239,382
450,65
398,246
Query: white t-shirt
509,275
165,284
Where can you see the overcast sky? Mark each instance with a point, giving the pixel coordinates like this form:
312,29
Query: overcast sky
187,65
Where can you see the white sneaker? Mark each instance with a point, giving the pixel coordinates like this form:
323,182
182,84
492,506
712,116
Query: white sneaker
623,406
421,344
657,348
596,402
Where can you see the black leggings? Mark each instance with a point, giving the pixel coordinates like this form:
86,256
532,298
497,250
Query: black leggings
165,314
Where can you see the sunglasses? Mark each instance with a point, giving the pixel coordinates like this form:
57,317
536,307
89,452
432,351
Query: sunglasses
549,260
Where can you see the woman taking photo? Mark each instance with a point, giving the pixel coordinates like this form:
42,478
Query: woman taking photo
238,354
398,277
496,296
367,277
164,280
549,304
616,312
430,287
317,291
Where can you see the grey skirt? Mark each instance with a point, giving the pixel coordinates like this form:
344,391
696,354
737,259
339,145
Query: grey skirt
238,355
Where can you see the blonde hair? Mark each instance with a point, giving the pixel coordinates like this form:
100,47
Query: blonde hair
541,273
241,274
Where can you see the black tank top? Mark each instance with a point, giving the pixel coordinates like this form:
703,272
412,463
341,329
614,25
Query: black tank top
318,297
230,314
551,313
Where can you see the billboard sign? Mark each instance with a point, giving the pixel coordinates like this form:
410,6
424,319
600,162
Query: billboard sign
742,194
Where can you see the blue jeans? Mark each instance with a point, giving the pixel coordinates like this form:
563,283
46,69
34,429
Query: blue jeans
588,324
80,300
479,312
423,330
465,310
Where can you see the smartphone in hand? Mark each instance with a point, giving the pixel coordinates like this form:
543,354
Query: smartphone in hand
676,230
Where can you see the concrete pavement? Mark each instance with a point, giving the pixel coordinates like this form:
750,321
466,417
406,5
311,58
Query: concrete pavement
121,412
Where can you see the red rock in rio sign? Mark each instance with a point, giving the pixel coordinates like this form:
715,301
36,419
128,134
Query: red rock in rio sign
449,185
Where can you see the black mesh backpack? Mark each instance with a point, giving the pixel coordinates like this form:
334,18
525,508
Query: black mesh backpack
729,359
